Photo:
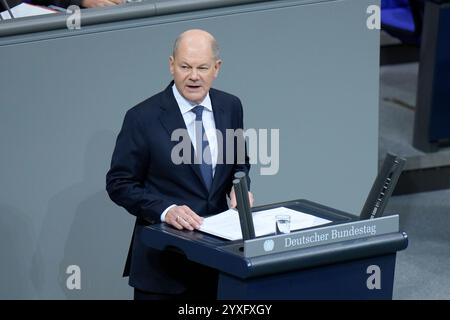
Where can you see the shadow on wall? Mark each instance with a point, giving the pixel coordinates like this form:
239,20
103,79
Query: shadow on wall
98,242
84,227
15,261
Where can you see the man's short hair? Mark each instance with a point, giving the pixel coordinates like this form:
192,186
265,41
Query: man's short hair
214,47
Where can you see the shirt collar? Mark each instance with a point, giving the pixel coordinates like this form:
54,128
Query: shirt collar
185,105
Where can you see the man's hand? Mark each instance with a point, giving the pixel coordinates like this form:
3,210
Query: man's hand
233,202
182,217
100,3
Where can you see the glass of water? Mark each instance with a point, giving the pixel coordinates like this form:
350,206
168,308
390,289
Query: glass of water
282,224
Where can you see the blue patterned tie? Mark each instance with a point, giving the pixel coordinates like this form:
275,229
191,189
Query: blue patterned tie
203,158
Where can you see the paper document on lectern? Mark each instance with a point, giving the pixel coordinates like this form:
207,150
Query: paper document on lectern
226,224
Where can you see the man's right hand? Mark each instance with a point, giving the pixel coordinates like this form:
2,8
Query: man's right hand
182,217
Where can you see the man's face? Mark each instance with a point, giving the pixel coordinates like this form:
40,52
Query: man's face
194,69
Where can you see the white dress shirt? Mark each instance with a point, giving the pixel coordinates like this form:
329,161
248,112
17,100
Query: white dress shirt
189,119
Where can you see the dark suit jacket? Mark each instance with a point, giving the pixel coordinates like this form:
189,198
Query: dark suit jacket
145,181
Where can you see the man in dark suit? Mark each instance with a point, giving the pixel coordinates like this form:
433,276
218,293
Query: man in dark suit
148,180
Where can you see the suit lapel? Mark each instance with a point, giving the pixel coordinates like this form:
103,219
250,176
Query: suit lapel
172,119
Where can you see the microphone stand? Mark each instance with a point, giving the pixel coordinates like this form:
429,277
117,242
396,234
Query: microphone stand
6,5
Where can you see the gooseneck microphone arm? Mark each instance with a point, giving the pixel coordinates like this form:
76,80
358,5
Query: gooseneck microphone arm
6,5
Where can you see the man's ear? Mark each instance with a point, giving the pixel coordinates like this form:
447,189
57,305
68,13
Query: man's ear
217,66
171,65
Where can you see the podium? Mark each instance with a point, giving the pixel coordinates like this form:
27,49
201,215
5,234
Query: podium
360,268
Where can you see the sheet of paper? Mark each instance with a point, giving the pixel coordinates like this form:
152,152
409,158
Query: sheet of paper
26,10
226,224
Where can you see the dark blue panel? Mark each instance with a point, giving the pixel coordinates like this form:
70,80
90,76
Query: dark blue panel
440,112
337,281
393,3
400,18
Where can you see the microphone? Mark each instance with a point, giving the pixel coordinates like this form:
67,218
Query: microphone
243,206
6,5
383,187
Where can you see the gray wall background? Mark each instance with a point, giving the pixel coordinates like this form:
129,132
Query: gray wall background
309,68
